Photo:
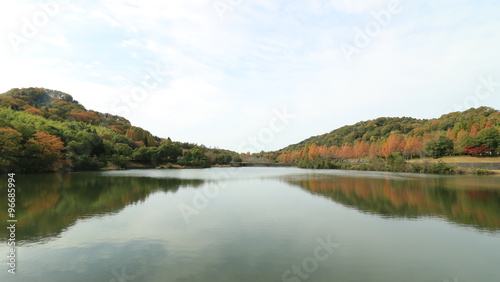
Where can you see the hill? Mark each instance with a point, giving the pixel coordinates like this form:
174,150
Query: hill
471,132
47,130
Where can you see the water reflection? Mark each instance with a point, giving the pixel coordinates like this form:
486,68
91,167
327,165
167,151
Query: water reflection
126,226
97,261
47,204
463,200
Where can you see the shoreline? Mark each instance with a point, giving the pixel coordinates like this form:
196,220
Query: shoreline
458,169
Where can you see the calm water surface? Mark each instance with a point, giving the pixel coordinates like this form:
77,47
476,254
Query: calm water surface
254,224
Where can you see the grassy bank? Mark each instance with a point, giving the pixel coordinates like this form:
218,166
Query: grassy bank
458,159
393,163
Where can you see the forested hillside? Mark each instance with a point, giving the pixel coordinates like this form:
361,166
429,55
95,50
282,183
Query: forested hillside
47,130
472,132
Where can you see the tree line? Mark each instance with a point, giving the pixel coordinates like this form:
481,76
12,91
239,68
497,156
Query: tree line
473,132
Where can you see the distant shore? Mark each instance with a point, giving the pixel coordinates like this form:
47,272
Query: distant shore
467,163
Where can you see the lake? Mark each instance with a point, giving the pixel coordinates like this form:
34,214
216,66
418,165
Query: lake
254,224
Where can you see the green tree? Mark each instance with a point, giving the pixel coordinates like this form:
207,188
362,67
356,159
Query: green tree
237,159
86,162
222,159
194,157
10,146
169,152
91,143
438,148
122,149
490,138
145,154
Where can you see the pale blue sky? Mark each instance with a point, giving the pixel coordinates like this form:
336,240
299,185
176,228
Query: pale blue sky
185,70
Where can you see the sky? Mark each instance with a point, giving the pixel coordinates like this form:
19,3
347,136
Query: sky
252,75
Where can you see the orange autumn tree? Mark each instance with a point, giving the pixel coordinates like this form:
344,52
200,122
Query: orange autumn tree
361,149
34,111
375,150
87,117
413,147
313,152
474,129
450,134
395,143
43,152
